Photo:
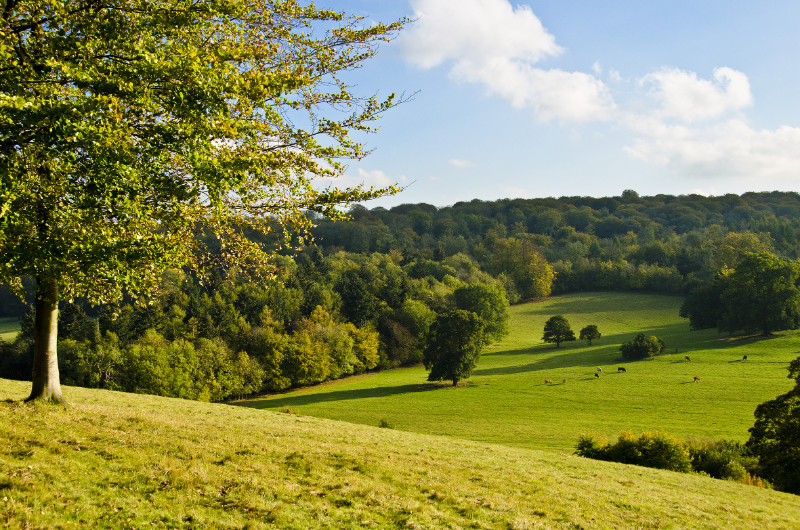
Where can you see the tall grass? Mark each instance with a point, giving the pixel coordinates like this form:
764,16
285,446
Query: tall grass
9,327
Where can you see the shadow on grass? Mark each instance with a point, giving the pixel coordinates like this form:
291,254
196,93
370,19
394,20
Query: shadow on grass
295,400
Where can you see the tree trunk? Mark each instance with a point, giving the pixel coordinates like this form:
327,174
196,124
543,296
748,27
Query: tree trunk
46,380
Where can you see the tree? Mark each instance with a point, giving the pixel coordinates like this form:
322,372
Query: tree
524,263
761,294
558,330
775,437
589,333
129,128
642,347
489,302
454,346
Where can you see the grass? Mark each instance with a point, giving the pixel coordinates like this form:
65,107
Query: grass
116,460
506,401
9,327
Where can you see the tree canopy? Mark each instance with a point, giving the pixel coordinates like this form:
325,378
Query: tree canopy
128,128
589,333
558,330
454,345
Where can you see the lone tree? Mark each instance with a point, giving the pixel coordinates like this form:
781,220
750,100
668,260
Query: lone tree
642,347
775,437
558,330
128,128
454,345
589,333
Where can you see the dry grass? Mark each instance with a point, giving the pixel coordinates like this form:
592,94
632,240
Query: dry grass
121,460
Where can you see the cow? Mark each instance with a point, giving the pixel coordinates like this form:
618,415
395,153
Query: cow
696,379
564,381
744,358
599,370
597,375
621,369
686,357
548,381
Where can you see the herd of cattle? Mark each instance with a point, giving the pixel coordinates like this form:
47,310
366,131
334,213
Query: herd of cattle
623,369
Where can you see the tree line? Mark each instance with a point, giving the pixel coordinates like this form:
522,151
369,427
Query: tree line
322,318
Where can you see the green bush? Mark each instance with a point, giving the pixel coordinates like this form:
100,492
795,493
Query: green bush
642,347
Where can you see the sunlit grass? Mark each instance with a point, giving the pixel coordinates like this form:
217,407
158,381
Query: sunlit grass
9,327
123,460
507,401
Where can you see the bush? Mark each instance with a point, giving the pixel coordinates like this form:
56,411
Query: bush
657,450
642,348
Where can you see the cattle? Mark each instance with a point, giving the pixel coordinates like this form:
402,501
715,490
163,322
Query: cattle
686,357
597,375
621,369
563,381
599,370
696,379
548,381
744,358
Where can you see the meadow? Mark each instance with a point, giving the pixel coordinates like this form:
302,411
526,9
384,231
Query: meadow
115,460
506,401
9,327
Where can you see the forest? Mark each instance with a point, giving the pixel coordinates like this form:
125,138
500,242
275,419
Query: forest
365,295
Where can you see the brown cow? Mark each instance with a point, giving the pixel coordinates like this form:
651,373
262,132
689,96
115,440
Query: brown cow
621,369
686,357
548,381
696,379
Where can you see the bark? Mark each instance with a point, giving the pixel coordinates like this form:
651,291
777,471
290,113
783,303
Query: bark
46,379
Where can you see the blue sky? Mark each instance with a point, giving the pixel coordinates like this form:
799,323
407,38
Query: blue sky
550,98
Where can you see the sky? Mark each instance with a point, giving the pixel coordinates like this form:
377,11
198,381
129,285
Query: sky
549,98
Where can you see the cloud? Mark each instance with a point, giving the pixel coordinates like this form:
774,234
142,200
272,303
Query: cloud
491,43
684,96
461,164
730,149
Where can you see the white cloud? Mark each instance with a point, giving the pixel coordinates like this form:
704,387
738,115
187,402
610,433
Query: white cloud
686,97
461,164
491,43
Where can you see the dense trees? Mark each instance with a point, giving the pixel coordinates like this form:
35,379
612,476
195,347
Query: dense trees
775,437
760,294
558,330
129,127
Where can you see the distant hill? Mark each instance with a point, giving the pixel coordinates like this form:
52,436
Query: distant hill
124,460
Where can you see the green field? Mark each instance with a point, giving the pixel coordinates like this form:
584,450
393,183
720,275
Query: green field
115,460
506,401
9,327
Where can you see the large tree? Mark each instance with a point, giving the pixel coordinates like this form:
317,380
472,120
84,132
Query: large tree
775,436
127,127
453,346
558,330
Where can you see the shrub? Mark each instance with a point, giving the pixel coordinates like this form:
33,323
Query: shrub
642,347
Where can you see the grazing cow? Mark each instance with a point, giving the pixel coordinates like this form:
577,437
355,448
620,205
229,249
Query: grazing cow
744,358
599,370
597,375
548,381
686,357
563,381
621,369
696,379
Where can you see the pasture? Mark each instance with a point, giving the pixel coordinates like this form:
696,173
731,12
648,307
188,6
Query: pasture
9,327
506,401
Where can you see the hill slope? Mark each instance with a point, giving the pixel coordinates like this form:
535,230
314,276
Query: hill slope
127,460
507,401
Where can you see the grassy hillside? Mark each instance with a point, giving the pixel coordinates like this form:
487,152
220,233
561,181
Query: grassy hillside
9,327
122,460
507,401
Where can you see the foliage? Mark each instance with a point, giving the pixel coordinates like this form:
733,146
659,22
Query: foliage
762,294
590,333
642,347
525,265
489,302
128,128
558,330
775,436
454,345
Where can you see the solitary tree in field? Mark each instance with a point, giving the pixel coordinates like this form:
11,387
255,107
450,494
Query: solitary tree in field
128,127
589,333
558,330
642,347
454,345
